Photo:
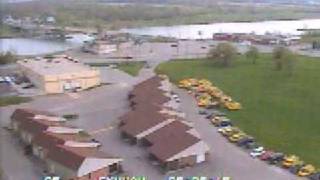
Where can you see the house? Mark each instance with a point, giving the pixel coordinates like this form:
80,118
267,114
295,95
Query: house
181,150
53,136
75,163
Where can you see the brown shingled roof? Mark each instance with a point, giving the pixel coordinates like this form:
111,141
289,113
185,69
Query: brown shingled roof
36,126
169,147
73,157
170,130
49,140
22,114
138,122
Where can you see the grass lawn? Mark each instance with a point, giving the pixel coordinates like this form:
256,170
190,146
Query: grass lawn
10,100
280,111
132,68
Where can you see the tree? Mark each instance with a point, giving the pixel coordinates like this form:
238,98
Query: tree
6,58
223,54
283,59
253,54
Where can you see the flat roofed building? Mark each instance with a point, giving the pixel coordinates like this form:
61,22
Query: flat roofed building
59,74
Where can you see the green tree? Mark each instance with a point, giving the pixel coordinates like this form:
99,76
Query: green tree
6,58
223,54
283,59
253,54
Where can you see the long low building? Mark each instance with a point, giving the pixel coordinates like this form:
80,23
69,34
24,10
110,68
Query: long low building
155,122
68,152
59,74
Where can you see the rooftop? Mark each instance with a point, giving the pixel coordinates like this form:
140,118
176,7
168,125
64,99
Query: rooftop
64,130
55,66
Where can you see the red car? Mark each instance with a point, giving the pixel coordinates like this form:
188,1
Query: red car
266,155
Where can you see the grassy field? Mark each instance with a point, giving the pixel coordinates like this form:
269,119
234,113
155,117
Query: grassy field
280,111
10,100
132,68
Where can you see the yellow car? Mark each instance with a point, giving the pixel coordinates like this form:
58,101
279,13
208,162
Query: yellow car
236,137
184,84
204,82
230,131
216,120
306,170
203,103
187,83
290,161
201,89
224,99
233,106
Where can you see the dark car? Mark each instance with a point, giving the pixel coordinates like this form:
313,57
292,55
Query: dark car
315,176
244,141
251,145
210,116
28,86
225,124
203,112
276,158
295,169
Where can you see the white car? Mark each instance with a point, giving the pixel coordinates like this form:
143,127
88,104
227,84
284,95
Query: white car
1,79
8,79
256,152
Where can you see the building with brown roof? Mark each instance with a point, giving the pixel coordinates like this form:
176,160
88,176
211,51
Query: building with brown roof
155,122
181,150
67,151
20,116
81,163
141,123
27,123
44,142
170,130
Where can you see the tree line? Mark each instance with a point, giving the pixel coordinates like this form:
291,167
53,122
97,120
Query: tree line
225,53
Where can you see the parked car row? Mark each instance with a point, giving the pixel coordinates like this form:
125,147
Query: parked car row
207,95
291,162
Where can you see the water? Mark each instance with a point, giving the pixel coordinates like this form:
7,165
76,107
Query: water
192,31
23,46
